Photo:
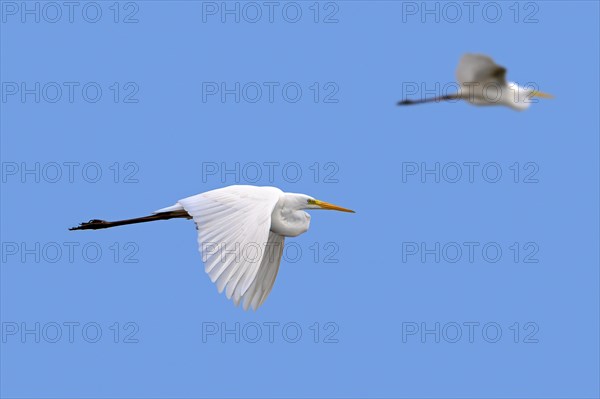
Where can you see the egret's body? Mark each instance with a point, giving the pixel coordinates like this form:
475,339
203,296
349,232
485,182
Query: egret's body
483,82
241,232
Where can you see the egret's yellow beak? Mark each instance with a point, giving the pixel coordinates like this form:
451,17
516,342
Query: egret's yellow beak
541,94
327,205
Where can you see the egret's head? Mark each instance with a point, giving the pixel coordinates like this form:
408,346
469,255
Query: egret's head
289,218
521,98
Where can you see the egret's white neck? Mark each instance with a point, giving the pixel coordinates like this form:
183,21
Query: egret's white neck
288,219
511,95
517,97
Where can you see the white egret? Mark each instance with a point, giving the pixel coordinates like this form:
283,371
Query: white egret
241,231
483,82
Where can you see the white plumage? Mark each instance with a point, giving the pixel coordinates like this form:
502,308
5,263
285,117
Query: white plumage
241,233
483,82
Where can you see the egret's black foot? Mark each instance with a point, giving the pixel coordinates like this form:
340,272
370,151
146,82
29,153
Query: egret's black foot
91,225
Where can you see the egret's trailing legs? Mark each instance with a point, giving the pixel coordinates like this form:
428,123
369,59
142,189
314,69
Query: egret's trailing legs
428,100
96,224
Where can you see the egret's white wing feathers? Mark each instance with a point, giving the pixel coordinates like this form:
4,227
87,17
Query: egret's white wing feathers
481,69
263,283
233,236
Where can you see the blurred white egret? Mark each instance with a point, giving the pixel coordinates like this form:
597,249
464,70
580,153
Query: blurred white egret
483,82
249,221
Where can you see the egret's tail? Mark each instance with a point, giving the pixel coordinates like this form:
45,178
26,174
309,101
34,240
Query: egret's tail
96,224
428,100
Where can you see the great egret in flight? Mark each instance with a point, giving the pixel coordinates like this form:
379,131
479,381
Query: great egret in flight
483,82
241,230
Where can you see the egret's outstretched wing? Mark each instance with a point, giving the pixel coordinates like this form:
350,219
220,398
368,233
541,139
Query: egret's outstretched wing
480,68
233,235
263,283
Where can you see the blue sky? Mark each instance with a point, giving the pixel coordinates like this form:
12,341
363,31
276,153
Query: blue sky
469,270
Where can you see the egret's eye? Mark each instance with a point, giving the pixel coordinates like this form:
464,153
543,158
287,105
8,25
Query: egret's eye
311,202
